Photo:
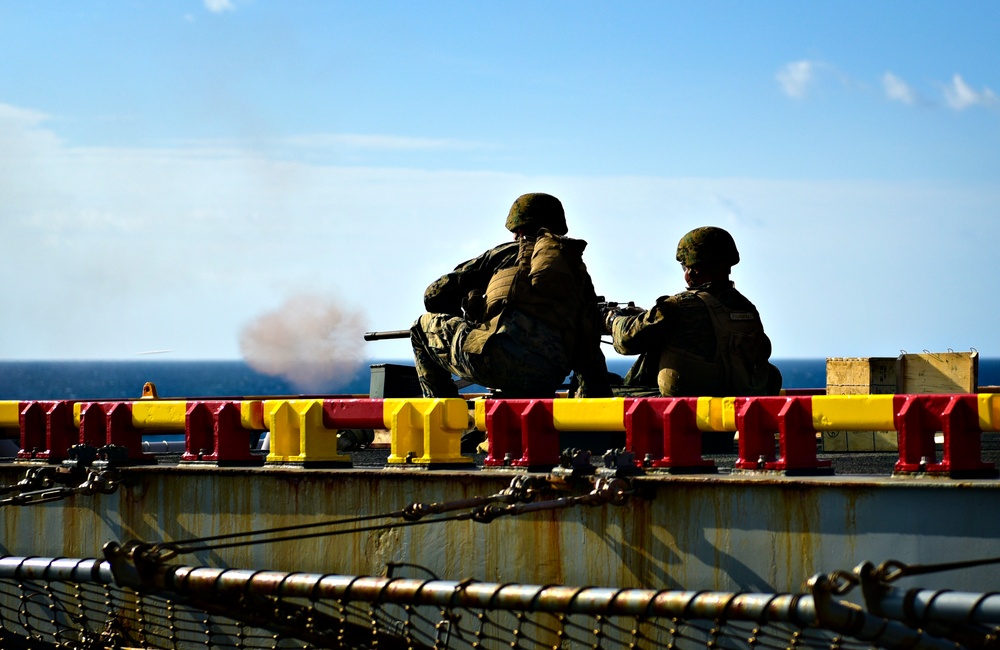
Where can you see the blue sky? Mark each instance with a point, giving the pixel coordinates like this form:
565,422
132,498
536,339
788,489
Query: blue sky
254,178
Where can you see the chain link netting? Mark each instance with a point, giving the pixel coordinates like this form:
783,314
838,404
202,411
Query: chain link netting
69,615
78,604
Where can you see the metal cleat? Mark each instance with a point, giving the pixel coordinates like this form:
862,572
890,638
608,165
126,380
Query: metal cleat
574,463
619,463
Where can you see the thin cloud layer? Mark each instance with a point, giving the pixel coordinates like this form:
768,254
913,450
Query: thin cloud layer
796,78
378,142
179,248
219,6
961,96
897,90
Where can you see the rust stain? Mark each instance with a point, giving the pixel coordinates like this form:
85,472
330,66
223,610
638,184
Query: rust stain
693,533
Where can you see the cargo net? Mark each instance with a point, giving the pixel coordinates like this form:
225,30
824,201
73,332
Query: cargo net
60,603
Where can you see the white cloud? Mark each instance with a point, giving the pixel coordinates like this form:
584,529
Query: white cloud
378,142
796,77
20,116
960,96
897,90
218,6
153,249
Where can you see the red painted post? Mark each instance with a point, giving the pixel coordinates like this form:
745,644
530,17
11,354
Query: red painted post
797,439
963,440
521,433
503,431
758,419
919,417
93,425
121,432
915,428
757,427
539,437
199,433
60,434
31,419
643,430
665,431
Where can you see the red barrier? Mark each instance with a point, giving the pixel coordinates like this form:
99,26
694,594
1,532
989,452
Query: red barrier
354,414
214,433
663,432
521,434
759,418
47,431
122,433
918,417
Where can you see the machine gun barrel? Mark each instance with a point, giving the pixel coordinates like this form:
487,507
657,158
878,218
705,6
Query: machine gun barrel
388,334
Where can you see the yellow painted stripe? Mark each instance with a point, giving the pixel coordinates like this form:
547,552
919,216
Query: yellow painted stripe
853,412
251,415
595,414
159,414
989,411
716,414
10,414
480,406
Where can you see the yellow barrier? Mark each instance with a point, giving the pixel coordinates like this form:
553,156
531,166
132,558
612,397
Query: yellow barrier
427,431
10,414
159,414
597,414
716,414
298,434
853,412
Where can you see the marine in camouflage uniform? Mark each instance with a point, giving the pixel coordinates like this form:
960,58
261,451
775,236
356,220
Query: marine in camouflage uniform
684,342
503,321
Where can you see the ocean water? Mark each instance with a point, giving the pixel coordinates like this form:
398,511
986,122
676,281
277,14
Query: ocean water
92,380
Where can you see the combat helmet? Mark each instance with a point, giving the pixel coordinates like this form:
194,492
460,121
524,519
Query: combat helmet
707,245
536,210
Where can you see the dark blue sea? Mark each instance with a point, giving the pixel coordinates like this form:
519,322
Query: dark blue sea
86,380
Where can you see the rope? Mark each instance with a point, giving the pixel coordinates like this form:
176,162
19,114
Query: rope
892,570
483,510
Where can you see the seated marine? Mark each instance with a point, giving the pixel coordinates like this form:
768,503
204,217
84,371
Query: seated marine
707,340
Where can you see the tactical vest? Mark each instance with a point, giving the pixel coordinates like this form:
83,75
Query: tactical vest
543,285
740,366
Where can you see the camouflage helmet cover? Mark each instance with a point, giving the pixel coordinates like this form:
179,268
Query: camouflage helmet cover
536,210
707,245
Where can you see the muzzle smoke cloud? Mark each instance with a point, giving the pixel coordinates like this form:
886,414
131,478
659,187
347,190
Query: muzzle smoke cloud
312,341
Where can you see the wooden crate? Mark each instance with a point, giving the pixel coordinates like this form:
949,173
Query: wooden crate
860,376
923,373
939,372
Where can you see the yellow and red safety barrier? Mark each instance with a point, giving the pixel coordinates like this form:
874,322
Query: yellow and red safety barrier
776,433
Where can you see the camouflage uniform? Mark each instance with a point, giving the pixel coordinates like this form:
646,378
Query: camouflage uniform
683,325
707,340
518,352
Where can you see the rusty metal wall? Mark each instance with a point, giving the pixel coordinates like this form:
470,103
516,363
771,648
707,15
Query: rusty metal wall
725,533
